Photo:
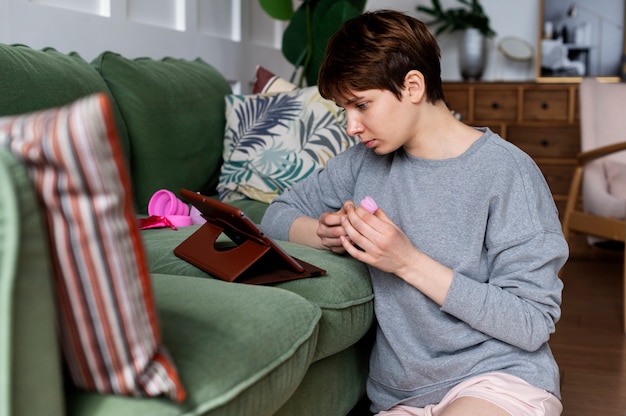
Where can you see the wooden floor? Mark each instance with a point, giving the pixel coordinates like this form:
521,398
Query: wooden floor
589,343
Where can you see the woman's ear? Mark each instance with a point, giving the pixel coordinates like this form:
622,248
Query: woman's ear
415,86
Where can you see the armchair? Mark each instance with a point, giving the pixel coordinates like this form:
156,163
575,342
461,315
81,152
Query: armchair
600,174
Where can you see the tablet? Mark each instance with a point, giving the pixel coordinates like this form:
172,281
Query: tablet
252,258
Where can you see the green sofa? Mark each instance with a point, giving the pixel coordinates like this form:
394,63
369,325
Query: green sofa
296,348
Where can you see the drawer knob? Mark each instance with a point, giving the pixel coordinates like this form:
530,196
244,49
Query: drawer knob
545,105
495,105
545,143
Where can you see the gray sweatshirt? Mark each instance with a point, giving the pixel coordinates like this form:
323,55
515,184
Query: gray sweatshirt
490,217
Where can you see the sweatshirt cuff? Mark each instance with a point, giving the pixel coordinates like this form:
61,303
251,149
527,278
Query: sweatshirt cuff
465,299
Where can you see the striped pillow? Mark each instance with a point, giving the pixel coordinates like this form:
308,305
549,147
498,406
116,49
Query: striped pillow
108,325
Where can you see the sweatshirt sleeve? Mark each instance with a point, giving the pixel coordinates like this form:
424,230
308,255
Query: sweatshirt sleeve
520,304
323,191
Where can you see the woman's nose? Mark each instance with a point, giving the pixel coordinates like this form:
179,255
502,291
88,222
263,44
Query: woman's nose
353,127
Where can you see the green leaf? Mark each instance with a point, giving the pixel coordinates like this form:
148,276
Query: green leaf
328,17
306,36
295,42
459,18
278,9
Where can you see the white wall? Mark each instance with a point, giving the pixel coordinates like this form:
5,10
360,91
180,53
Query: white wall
232,35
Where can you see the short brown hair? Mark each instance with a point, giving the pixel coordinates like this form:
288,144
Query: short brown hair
376,50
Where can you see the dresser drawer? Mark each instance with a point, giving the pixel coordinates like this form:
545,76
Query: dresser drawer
495,104
546,142
545,105
458,101
558,176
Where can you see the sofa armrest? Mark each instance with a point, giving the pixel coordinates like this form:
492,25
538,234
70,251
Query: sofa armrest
30,365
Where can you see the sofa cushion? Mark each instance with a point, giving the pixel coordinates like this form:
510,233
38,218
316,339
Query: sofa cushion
39,79
344,294
334,385
109,331
273,141
238,347
174,110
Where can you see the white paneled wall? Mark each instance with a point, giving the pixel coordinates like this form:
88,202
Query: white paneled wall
226,24
97,7
168,14
232,35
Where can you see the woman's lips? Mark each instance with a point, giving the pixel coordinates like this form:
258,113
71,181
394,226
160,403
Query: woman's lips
370,143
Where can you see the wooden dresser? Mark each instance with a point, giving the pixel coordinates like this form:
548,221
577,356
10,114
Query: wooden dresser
542,119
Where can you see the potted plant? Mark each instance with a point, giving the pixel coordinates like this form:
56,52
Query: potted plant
473,22
310,27
459,18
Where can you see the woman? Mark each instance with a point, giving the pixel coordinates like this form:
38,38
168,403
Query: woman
464,248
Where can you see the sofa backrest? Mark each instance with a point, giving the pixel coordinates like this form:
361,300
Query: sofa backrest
33,80
169,112
174,110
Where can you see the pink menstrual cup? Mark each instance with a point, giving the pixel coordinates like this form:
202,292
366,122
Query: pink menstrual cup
196,216
369,204
164,202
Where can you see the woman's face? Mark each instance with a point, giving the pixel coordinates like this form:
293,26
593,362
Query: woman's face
382,121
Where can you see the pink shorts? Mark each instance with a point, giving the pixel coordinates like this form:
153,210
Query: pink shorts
506,391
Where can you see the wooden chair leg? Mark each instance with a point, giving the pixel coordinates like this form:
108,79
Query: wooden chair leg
624,289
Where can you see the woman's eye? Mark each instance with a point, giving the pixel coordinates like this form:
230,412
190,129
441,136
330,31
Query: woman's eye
361,106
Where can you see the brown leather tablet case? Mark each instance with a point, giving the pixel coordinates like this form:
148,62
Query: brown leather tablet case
249,256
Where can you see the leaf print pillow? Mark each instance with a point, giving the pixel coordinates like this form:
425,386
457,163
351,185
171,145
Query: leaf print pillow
273,141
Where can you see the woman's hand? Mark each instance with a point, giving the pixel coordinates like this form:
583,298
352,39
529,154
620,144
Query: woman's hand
374,239
330,230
